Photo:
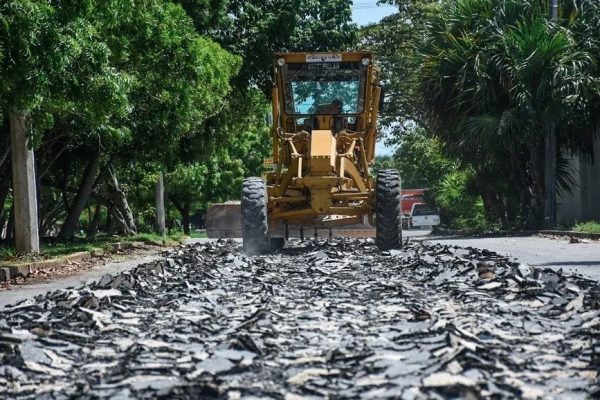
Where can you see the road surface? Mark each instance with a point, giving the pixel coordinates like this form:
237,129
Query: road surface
317,320
29,290
583,258
555,253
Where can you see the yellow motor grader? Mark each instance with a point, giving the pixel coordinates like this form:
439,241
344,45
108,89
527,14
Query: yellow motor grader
325,110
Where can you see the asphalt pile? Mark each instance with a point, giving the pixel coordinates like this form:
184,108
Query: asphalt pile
318,320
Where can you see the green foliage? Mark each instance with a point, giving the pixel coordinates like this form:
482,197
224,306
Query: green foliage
385,162
215,173
497,77
151,85
423,165
206,14
421,159
395,42
180,79
587,227
257,29
155,239
459,206
55,60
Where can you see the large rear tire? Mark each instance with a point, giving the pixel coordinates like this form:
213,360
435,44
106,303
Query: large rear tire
388,217
255,228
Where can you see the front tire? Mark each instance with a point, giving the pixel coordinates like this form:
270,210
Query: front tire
388,210
255,228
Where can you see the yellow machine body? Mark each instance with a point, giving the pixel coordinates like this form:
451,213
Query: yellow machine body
325,111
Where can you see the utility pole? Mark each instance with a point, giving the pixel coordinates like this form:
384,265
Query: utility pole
24,189
553,9
550,159
160,204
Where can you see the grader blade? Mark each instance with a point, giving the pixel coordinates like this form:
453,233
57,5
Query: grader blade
223,220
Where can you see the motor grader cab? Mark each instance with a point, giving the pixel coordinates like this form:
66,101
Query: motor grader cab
325,110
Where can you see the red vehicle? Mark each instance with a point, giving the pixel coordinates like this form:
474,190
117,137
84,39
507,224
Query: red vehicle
410,197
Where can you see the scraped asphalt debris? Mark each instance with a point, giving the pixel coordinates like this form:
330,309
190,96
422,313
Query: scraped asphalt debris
318,320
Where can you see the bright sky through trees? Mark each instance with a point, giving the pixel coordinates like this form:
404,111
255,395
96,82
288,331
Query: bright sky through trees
366,12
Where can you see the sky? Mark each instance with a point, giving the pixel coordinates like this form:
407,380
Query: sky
366,12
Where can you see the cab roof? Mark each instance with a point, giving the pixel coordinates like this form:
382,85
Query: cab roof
310,57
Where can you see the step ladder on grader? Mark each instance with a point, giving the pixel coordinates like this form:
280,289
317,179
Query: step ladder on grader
325,110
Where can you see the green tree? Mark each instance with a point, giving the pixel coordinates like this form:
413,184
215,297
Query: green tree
54,61
497,76
460,205
108,84
213,172
421,159
395,42
257,29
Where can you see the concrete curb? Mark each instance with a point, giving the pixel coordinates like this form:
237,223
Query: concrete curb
25,268
582,235
557,233
12,270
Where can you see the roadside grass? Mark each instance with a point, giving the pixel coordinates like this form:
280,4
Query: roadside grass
198,234
50,249
156,239
587,227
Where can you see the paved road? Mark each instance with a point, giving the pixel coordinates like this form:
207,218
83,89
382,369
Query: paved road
28,291
582,258
328,320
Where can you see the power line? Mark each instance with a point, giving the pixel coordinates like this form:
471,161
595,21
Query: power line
370,7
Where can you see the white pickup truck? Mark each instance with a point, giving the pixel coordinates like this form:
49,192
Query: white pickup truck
423,215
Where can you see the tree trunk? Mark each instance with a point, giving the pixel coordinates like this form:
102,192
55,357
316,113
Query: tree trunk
64,192
519,180
50,219
4,189
10,226
24,187
536,172
83,194
185,214
160,204
110,224
121,211
120,223
95,221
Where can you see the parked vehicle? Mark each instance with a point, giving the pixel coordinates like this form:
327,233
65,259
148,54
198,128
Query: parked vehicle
411,197
423,215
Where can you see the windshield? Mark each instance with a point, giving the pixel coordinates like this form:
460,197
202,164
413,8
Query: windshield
423,209
324,88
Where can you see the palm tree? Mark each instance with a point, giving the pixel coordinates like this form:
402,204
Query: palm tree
497,76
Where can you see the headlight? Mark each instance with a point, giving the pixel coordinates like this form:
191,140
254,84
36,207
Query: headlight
281,61
366,61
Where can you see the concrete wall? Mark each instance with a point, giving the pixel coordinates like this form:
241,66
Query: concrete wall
583,204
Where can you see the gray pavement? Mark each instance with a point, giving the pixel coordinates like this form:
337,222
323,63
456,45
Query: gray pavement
22,292
338,320
581,258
